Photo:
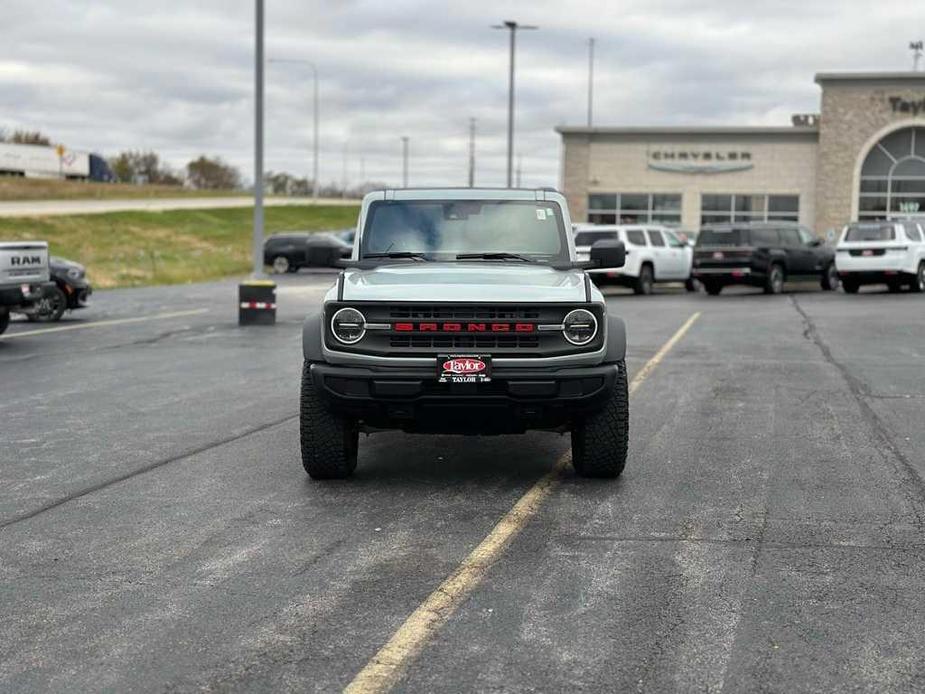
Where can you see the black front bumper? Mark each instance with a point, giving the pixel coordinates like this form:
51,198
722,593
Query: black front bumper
514,401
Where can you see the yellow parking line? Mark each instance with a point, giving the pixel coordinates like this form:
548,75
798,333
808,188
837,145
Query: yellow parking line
106,323
384,670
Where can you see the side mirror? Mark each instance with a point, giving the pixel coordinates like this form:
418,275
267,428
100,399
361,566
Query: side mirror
321,255
608,254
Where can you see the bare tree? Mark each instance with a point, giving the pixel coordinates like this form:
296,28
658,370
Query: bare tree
212,174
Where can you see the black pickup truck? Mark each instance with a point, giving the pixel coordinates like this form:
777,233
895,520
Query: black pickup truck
761,254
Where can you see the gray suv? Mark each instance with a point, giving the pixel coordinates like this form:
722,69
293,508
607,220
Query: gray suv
465,311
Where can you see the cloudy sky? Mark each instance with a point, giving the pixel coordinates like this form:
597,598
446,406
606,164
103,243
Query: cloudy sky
176,76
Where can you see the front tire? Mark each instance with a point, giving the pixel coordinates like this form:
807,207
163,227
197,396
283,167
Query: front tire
329,442
50,307
830,279
774,284
600,440
645,282
281,265
691,285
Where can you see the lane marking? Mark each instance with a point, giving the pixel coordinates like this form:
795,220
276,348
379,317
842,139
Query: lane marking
386,667
106,323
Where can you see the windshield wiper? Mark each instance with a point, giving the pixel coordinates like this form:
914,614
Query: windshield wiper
493,256
397,254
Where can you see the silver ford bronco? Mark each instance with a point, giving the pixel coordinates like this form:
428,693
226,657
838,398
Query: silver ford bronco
464,311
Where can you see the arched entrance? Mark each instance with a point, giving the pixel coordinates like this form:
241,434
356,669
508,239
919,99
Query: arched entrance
892,180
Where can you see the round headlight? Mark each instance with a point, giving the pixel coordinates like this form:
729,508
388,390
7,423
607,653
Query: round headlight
579,326
75,273
348,325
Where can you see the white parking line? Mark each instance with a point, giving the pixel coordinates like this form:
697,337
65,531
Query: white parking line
106,323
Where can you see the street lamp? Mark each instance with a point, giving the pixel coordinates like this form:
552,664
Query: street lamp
404,161
257,247
314,70
512,27
590,81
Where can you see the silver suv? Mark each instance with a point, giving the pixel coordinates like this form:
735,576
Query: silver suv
465,311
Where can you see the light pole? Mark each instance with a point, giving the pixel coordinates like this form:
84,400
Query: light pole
472,152
257,248
404,161
590,80
916,48
512,27
314,69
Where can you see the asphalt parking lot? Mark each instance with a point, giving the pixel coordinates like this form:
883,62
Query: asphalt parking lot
158,533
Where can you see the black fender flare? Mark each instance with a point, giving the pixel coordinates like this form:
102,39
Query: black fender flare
616,340
311,337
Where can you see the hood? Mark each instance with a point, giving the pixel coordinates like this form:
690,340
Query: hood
467,281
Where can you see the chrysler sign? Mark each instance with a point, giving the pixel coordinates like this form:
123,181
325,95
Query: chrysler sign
699,161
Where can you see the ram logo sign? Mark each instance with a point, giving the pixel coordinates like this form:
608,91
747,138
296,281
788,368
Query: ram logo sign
26,260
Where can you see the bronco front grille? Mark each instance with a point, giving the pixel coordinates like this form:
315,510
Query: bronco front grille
429,329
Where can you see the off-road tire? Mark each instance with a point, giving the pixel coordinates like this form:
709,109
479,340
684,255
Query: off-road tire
645,283
850,286
600,440
918,282
774,284
4,320
329,442
712,288
830,279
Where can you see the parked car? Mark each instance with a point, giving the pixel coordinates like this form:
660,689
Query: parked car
761,254
23,277
291,250
68,291
653,254
890,253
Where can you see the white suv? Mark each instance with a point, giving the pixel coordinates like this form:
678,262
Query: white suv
653,254
884,252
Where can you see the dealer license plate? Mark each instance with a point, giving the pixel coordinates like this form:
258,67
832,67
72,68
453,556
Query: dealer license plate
463,368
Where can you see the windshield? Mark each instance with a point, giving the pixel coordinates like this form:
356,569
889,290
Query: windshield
442,230
722,237
870,232
589,238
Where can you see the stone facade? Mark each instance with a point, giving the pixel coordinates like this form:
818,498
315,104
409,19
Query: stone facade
858,111
820,164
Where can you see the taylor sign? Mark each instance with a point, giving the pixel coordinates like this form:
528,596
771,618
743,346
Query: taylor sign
699,161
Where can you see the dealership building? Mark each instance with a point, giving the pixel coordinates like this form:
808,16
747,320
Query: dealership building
861,157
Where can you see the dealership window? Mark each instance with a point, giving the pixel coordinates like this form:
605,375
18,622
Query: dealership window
726,208
634,208
893,176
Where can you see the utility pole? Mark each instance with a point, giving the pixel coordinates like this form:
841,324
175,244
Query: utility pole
916,48
404,161
472,152
315,108
520,166
343,189
257,244
512,27
590,81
